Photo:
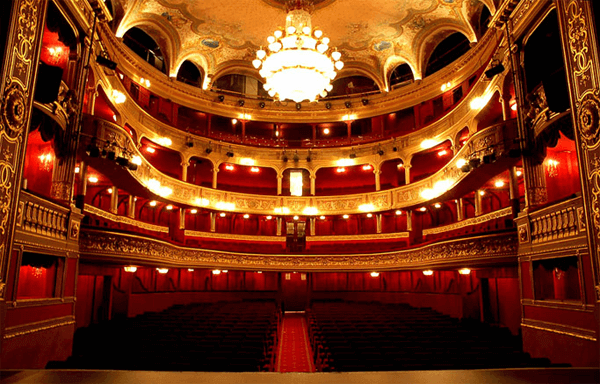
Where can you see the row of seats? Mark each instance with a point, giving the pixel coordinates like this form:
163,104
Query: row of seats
380,337
225,336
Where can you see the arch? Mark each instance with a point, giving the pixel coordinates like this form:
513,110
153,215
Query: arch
198,59
165,37
401,75
347,83
189,73
358,69
394,61
425,39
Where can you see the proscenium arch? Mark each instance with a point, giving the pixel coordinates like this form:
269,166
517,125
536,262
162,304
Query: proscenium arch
151,24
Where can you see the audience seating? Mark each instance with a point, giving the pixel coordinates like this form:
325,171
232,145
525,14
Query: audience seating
381,337
226,336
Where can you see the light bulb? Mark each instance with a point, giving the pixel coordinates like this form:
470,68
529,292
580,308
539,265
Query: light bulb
278,34
336,55
339,65
318,33
256,63
271,39
261,53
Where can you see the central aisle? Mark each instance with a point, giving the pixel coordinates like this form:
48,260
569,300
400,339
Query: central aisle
294,349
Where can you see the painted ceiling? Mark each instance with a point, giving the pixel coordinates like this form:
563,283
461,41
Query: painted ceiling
222,36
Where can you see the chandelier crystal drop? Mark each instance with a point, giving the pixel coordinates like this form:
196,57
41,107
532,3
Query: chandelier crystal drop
298,64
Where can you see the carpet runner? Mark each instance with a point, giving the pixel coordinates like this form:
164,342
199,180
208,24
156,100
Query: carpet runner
294,349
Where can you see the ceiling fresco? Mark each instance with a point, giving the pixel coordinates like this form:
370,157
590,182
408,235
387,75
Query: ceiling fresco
374,36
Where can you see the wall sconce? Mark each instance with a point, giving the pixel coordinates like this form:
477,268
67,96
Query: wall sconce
105,62
46,161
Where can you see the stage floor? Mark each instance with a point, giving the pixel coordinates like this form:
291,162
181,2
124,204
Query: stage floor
542,375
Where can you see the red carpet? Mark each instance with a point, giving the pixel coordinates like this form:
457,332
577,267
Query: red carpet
295,354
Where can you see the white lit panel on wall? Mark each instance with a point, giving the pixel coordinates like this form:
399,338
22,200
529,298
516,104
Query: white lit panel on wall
296,183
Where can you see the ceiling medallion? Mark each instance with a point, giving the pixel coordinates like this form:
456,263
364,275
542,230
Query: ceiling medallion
299,64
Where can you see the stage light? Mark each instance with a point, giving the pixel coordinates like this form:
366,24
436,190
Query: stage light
328,105
208,150
241,103
261,104
105,62
348,104
365,101
221,98
494,70
229,154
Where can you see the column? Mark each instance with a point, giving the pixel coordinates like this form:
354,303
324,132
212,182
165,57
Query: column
533,178
114,200
213,221
313,184
581,54
184,170
208,124
514,191
131,207
478,202
181,218
505,101
80,199
279,183
313,223
378,222
460,209
349,127
314,132
407,173
409,220
279,222
214,181
377,173
243,130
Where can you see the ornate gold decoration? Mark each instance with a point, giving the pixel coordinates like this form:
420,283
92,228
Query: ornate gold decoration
372,237
579,47
588,117
468,222
74,230
124,219
127,247
44,217
39,326
560,329
523,234
14,112
228,236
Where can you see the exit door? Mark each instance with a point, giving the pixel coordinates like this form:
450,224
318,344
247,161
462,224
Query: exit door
294,289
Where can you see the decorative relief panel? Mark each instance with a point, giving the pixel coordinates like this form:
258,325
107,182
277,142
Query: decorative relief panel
16,98
127,248
580,47
468,222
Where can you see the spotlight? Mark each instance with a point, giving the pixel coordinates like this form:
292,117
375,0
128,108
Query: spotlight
380,152
92,151
466,168
298,106
261,104
208,150
348,104
494,70
365,101
132,166
308,159
474,163
285,159
111,155
488,159
221,98
352,155
189,144
395,149
229,154
241,103
123,162
328,105
103,61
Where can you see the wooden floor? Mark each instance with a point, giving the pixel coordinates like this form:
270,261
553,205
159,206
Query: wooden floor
543,375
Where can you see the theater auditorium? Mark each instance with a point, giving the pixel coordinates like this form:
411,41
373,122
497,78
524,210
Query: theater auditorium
311,191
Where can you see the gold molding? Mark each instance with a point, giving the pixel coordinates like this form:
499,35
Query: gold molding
472,221
97,244
378,236
25,329
495,139
124,219
381,103
229,236
560,329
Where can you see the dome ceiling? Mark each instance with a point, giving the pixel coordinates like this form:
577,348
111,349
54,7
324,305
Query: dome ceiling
222,37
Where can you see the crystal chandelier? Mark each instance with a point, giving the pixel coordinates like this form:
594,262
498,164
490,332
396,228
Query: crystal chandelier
299,64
